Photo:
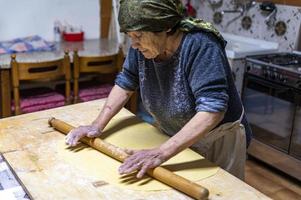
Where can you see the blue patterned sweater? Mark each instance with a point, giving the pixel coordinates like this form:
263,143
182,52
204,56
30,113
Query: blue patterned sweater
196,78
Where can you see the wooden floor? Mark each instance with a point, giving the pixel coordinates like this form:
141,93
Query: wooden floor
271,182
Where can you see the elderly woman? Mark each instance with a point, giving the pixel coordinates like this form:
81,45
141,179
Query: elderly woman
185,81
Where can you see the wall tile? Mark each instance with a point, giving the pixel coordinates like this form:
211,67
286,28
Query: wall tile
289,14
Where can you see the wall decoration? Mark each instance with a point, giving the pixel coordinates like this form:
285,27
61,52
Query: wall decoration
269,10
217,17
246,22
215,3
280,28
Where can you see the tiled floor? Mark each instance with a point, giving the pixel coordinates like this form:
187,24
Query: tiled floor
271,182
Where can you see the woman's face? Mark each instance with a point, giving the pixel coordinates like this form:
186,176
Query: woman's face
150,44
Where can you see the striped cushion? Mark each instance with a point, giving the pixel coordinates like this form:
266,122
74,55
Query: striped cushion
94,92
39,99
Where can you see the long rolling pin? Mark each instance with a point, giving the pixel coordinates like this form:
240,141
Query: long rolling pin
165,176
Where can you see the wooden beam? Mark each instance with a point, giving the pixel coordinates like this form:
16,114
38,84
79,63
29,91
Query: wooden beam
285,2
105,17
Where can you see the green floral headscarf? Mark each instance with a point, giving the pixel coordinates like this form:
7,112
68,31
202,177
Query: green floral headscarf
160,15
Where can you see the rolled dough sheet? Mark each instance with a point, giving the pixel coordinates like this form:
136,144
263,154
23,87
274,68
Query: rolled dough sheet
131,133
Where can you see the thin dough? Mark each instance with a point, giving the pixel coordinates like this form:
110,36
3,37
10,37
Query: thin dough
133,134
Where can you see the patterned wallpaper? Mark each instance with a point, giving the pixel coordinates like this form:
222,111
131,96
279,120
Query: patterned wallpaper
290,15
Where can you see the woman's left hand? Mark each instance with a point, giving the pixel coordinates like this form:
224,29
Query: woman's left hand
142,160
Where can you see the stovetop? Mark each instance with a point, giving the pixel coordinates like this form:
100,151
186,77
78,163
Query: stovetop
289,61
283,68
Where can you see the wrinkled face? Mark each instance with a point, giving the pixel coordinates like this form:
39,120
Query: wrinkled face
150,44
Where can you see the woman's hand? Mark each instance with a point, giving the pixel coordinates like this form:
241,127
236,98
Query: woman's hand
142,160
76,134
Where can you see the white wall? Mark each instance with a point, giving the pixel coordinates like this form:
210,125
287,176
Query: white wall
21,18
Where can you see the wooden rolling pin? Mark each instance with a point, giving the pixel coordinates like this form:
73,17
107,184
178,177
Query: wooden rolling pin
165,176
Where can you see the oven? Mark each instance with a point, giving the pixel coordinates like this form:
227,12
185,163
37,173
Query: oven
270,109
295,145
272,100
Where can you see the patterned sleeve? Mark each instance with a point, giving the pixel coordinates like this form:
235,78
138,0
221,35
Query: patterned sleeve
128,78
207,77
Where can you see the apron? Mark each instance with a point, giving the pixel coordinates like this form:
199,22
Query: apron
226,147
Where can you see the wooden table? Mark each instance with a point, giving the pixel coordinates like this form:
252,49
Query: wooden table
92,47
28,145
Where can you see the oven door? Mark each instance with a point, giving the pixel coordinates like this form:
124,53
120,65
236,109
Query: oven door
270,111
295,147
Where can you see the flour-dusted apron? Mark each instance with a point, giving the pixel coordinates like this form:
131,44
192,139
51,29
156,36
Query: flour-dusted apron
226,147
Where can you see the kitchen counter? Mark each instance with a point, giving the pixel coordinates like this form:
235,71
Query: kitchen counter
29,145
238,47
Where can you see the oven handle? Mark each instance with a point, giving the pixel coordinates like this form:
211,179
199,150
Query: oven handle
266,83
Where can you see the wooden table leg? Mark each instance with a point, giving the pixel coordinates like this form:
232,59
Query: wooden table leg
5,93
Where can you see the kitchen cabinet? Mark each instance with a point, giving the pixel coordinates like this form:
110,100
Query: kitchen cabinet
238,70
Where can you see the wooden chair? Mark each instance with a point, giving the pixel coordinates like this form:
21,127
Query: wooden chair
101,65
37,73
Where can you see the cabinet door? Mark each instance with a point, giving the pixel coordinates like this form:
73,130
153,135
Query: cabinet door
238,70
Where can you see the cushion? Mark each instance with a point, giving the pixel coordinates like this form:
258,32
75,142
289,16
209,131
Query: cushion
26,44
42,107
95,90
89,90
36,99
93,97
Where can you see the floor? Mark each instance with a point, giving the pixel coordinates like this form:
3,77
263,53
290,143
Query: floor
271,182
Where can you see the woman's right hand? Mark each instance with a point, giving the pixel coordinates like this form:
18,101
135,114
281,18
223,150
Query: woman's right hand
76,134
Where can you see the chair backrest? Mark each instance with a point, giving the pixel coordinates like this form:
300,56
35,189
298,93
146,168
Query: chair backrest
34,71
98,64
